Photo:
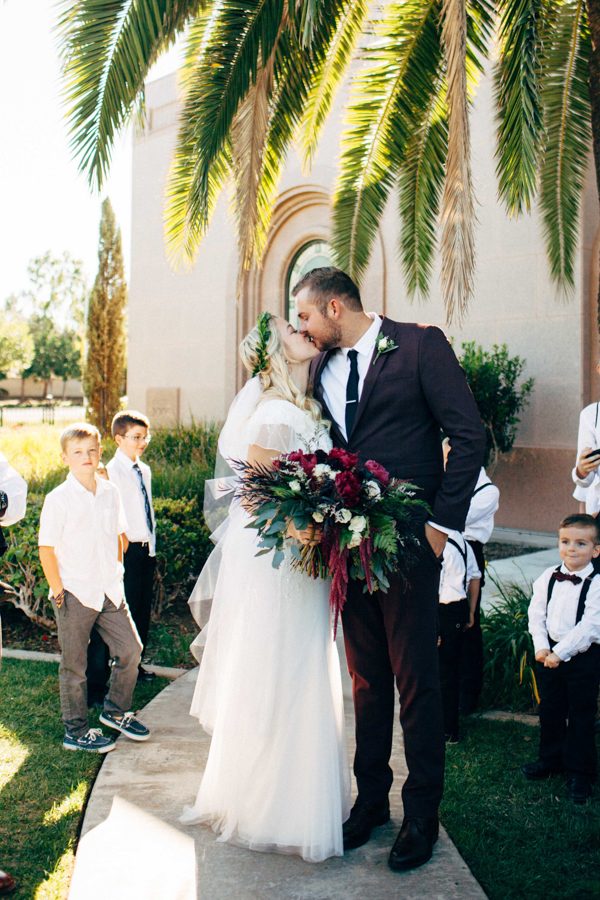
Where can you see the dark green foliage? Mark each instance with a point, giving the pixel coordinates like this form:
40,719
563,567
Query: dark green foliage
493,377
182,546
509,677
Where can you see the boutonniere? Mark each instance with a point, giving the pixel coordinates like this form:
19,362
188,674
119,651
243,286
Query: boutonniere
384,344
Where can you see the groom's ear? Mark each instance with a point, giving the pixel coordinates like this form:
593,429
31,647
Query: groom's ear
336,306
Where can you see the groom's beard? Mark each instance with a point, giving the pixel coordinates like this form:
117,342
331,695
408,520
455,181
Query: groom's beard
329,339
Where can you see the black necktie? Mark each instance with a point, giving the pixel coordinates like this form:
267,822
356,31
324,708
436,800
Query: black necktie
351,392
563,576
147,507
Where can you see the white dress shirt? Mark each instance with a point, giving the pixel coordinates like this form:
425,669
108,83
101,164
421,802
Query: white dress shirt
452,578
484,505
335,374
558,622
15,488
587,489
83,529
120,471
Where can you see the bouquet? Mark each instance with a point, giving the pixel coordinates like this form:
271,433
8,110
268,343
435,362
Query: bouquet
366,522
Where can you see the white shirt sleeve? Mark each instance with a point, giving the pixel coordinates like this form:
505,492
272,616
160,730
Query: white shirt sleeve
472,567
587,631
121,517
52,521
586,437
15,488
537,612
482,509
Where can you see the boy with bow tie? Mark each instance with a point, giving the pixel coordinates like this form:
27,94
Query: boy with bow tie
564,622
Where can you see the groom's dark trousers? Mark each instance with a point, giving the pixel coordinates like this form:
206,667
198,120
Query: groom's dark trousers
410,395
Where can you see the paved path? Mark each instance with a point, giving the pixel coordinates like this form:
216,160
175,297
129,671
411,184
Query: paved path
131,827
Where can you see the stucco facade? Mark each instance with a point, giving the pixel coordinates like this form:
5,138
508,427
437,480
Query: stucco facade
184,326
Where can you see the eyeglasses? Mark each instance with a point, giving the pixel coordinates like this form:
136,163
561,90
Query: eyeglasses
139,438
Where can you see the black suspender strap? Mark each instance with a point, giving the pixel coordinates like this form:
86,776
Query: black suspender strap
481,487
463,553
582,594
596,419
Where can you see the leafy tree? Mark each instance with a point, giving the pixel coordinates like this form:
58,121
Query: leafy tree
260,74
57,290
104,375
16,345
493,376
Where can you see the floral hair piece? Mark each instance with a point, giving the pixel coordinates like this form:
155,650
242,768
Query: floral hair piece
264,333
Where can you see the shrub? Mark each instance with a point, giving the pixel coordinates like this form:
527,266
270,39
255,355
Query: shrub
509,676
493,377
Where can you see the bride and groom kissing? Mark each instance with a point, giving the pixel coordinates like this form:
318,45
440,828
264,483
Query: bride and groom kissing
269,685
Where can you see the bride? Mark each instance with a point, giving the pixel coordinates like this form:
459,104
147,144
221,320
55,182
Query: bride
269,687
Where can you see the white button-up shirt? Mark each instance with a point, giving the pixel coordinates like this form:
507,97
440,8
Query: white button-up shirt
335,374
484,505
558,622
120,471
587,489
83,529
455,571
15,488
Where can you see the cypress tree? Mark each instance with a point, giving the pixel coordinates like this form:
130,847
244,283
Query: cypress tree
104,377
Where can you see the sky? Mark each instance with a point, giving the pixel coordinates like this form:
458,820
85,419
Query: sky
45,203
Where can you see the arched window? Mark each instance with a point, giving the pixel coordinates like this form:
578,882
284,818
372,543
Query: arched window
312,255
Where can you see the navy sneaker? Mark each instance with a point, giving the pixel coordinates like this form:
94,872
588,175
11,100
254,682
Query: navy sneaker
93,741
127,724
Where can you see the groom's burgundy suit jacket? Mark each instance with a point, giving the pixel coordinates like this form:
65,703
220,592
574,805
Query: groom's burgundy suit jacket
408,395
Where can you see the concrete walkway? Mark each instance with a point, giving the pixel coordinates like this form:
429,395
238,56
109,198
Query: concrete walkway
521,570
133,844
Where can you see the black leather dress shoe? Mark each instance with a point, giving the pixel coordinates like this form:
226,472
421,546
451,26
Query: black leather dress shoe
540,769
579,789
414,844
363,819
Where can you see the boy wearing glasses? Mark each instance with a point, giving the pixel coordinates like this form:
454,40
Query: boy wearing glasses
131,431
80,545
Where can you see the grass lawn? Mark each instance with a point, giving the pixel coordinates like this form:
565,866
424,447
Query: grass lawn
43,788
520,838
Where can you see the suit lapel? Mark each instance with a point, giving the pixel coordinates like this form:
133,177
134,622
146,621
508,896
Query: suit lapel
376,367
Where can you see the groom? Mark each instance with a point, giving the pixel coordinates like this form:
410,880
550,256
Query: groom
388,388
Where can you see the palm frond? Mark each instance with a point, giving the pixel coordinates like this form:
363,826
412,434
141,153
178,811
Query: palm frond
518,100
480,30
567,120
330,68
387,97
458,212
108,47
420,187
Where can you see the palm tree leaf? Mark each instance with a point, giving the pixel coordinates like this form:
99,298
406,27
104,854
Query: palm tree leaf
108,47
518,99
458,207
567,120
420,187
330,69
387,97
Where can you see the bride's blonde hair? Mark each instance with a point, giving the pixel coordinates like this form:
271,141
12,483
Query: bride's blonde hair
263,354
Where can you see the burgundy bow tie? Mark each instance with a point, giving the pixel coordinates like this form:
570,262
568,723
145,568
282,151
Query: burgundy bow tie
563,576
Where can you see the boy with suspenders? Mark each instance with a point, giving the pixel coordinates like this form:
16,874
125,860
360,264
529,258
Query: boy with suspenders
564,622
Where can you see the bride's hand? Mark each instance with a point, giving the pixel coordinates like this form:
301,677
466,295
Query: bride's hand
310,536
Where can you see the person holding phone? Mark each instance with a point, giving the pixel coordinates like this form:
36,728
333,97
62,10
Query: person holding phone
585,474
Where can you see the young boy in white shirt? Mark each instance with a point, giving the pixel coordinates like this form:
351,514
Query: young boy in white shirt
81,525
459,589
564,622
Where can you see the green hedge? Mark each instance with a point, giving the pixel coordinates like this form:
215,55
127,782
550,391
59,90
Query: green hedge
183,543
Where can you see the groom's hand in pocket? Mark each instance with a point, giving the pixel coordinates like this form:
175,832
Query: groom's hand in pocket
436,539
310,536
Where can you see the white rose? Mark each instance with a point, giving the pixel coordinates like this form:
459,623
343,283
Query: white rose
357,524
318,516
354,540
372,489
321,471
343,516
295,486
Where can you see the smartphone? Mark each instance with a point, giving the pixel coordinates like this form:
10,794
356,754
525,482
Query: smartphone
592,453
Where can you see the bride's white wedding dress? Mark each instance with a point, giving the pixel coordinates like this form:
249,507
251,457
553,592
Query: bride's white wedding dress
269,687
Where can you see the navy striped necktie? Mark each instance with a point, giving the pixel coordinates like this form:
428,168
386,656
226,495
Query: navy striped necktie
147,506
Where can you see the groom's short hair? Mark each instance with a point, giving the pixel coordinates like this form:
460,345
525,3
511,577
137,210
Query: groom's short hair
328,282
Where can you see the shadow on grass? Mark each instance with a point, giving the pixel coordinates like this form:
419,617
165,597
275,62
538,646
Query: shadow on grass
30,711
520,838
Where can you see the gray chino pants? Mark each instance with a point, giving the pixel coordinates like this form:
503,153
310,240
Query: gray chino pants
116,628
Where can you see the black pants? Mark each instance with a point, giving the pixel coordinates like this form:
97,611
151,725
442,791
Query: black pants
393,637
471,654
569,695
452,620
138,580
